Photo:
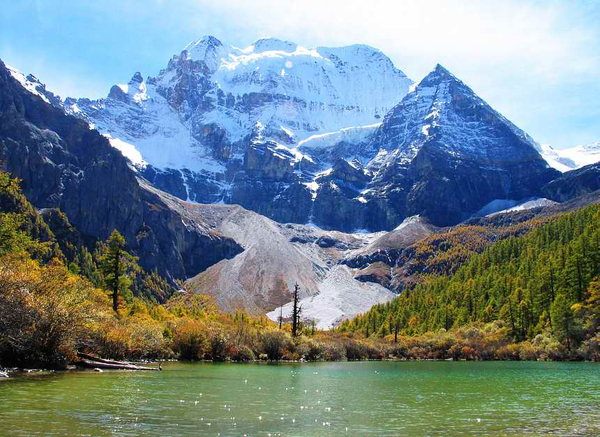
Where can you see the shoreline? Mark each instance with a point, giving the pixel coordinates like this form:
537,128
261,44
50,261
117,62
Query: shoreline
8,373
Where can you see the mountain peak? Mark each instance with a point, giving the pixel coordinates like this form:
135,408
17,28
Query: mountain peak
443,110
205,41
438,75
441,69
208,49
273,44
137,78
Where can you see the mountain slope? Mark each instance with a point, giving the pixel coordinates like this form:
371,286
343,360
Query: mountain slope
278,256
64,164
442,153
574,183
520,281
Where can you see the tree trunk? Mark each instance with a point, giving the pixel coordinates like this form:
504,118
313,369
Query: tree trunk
116,283
280,316
295,313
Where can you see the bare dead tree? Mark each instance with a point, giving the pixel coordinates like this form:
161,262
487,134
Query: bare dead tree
280,316
296,309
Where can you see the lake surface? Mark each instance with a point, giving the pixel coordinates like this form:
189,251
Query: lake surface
321,399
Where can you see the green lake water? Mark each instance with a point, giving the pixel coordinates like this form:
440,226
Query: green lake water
322,399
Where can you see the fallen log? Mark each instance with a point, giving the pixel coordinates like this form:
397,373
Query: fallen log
123,366
101,360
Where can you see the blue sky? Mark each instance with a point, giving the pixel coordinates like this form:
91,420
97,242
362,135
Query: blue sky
537,62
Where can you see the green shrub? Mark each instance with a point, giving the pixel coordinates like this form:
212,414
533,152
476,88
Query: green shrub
242,354
273,344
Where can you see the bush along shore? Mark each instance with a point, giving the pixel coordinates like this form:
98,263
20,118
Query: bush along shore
62,296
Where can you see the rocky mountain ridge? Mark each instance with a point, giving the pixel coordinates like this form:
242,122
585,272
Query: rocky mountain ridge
316,136
64,164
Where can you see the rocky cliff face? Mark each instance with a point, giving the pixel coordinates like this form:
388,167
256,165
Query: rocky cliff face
574,183
64,164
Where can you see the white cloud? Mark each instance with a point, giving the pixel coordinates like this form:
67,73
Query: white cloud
546,38
521,56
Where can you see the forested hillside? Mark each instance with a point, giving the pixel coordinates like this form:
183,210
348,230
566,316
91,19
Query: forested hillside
60,295
526,297
542,283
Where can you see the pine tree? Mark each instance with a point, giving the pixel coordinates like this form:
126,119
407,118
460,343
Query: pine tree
562,319
12,239
592,305
118,267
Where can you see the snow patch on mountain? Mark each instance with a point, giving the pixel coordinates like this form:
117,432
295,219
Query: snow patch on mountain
582,155
340,297
30,83
499,206
571,158
128,151
353,135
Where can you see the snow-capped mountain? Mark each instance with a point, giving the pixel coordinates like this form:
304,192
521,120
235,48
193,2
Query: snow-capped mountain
316,136
571,158
444,153
297,134
442,109
194,122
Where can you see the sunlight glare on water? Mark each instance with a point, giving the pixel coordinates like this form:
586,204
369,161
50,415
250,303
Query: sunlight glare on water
322,399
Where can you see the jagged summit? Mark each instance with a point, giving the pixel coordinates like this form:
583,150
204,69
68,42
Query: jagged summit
279,53
137,78
133,91
202,44
207,49
440,69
